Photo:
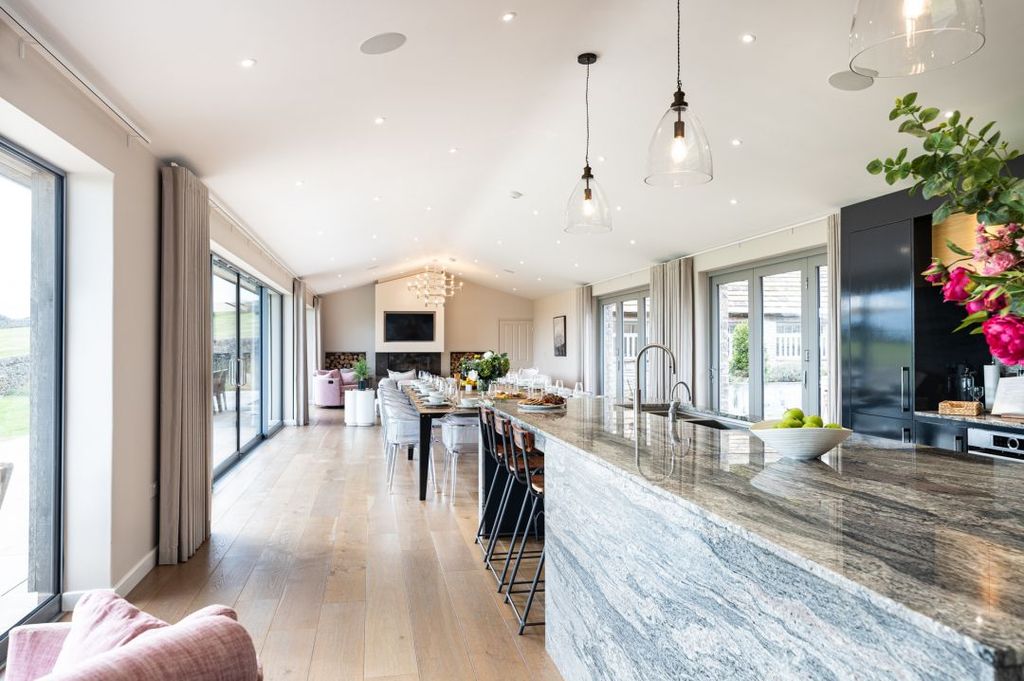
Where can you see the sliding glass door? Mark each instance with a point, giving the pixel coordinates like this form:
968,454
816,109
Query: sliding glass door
769,349
31,362
624,328
247,363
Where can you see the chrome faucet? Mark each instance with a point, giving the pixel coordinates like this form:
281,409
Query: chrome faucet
673,406
637,397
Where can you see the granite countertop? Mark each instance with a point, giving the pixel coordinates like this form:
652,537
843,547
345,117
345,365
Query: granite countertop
941,534
979,420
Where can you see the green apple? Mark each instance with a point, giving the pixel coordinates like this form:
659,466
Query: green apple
813,422
794,413
791,423
833,426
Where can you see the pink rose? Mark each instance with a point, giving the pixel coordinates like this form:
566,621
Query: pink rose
990,302
955,290
1005,337
999,263
936,273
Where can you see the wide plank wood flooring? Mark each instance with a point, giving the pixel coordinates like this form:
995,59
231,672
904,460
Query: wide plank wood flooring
338,580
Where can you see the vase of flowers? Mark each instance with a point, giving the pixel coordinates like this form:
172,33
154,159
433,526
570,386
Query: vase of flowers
481,370
970,170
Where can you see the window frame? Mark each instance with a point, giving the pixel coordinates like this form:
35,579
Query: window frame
809,264
50,608
641,295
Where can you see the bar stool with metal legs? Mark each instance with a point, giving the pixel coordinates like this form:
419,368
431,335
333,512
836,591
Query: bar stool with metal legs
523,458
487,437
516,477
522,442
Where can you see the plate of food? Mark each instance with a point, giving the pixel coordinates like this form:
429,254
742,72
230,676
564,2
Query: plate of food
505,395
543,403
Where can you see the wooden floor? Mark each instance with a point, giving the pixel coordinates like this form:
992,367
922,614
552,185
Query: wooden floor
336,579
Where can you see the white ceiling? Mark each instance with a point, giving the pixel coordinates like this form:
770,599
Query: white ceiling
509,96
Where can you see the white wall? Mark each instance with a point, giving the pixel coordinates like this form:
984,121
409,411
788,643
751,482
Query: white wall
544,311
112,316
472,317
793,240
234,245
347,320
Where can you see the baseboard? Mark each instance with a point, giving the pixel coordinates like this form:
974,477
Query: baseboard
123,587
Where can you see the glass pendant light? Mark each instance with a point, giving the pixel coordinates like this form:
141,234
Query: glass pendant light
587,211
679,154
891,38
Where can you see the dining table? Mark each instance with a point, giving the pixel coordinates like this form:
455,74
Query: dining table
427,414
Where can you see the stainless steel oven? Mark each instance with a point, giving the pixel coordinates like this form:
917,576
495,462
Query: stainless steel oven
998,444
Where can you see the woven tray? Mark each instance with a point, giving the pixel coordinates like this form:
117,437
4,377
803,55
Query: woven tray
954,408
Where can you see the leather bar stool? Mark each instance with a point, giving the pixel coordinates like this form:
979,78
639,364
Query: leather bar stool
522,443
518,476
489,440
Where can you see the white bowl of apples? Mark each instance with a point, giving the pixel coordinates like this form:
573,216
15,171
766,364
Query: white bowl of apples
796,436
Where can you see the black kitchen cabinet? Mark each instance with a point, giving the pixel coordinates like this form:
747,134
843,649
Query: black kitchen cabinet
942,435
883,426
879,289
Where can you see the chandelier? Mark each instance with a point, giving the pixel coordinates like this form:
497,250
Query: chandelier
433,285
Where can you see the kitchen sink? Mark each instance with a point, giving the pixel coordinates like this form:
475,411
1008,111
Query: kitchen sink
687,416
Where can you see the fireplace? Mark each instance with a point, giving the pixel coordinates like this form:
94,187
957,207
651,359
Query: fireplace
407,361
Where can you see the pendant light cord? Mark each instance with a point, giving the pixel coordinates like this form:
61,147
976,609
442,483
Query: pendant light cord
586,99
679,68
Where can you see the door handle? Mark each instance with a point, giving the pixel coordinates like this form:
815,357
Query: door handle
958,443
906,435
904,382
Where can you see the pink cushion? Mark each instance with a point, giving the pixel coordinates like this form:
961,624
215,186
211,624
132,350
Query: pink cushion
102,621
348,377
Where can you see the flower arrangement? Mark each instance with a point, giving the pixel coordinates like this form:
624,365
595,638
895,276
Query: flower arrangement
482,369
970,171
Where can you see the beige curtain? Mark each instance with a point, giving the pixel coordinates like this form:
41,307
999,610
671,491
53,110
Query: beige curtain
671,325
186,383
318,341
586,357
833,406
301,373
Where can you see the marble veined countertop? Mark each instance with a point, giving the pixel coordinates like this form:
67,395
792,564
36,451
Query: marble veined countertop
940,534
981,420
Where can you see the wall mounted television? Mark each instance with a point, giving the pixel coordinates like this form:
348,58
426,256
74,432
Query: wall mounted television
408,327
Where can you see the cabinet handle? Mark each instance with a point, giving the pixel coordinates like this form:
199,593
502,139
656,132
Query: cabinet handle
904,381
906,435
958,443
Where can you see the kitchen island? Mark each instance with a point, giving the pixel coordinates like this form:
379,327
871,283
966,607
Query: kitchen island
685,552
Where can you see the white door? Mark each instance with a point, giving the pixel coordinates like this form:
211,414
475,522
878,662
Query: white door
515,336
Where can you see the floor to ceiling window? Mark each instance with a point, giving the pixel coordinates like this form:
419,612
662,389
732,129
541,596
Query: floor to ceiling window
31,352
769,349
247,363
624,328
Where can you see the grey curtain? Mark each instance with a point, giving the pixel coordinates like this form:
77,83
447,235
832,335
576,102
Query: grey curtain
586,357
671,325
301,386
317,362
186,383
833,406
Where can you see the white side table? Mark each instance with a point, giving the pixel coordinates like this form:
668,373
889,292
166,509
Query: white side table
363,401
350,407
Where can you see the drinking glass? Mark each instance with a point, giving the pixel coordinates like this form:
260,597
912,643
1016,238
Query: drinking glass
577,390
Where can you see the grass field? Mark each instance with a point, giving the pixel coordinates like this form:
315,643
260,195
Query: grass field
14,341
13,416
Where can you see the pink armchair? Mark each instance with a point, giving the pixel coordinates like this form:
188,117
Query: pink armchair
109,639
329,387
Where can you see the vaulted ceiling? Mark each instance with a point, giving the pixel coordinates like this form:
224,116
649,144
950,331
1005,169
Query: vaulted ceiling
292,147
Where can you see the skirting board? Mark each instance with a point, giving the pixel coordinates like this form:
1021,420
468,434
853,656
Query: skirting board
122,588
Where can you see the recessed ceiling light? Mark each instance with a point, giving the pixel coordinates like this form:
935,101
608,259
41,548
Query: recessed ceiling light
339,276
748,38
298,183
453,150
374,236
247,63
382,43
618,208
332,258
376,199
575,264
499,242
733,201
508,16
536,212
475,260
429,208
459,273
558,242
539,279
601,159
632,242
522,262
496,276
320,232
736,142
416,239
379,120
948,114
374,259
514,289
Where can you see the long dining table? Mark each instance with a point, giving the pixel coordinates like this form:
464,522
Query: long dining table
427,414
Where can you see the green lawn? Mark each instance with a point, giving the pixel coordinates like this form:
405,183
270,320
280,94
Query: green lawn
13,416
224,325
14,341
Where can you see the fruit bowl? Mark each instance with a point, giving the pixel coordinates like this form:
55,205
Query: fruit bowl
799,443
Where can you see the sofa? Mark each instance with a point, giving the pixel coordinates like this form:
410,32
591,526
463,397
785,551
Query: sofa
109,639
329,386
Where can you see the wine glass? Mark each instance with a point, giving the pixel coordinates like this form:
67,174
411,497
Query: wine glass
577,390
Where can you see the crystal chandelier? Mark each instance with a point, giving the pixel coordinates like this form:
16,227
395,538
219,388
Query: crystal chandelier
433,285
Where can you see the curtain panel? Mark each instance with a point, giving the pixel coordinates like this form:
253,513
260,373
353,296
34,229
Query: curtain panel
301,374
586,333
835,376
671,325
186,381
